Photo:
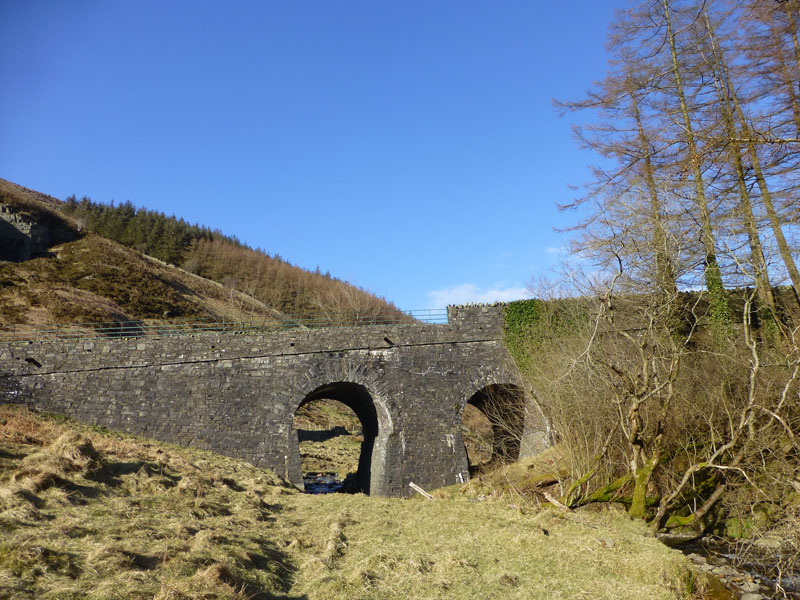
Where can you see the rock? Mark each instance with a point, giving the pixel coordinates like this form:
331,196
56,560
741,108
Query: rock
724,571
751,596
749,586
696,558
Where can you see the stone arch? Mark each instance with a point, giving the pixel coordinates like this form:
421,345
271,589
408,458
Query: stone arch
336,380
504,405
519,426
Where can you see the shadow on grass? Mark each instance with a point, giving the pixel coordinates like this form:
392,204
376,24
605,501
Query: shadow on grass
110,475
6,455
322,435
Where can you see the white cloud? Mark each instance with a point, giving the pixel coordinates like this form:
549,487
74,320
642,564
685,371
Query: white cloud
469,292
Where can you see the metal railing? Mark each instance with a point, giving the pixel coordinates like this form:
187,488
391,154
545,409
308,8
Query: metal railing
143,328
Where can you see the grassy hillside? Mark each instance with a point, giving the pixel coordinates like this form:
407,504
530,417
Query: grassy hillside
225,259
93,279
115,266
90,514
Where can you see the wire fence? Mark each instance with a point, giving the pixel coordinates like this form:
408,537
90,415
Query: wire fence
143,328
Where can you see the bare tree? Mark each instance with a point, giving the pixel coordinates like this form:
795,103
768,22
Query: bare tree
657,405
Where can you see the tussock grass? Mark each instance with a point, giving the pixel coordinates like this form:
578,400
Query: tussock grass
88,514
92,514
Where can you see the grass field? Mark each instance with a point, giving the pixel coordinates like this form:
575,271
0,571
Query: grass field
91,514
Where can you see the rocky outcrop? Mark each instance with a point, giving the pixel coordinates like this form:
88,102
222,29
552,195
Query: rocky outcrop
23,237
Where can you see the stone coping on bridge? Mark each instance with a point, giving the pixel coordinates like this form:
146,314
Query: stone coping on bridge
476,316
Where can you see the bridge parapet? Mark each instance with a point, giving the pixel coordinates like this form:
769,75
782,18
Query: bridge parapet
23,358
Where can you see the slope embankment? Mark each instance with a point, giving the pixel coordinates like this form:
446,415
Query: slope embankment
85,513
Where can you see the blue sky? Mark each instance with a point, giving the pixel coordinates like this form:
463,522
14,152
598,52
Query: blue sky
409,147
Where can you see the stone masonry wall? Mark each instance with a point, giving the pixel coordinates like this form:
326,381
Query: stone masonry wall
478,319
20,237
23,237
237,394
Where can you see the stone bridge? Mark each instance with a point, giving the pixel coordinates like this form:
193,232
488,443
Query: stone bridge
237,394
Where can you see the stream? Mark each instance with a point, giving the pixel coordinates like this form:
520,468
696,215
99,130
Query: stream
749,576
322,483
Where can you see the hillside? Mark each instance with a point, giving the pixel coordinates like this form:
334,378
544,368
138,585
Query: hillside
92,262
90,514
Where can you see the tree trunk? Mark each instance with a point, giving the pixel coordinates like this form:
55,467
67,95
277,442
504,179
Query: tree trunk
788,80
725,90
720,312
665,270
774,221
641,479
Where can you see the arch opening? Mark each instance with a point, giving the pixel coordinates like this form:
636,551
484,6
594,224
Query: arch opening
336,426
492,426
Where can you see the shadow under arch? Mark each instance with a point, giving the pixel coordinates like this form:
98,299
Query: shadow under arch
358,399
505,406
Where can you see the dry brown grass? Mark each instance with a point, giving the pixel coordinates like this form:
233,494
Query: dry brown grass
330,438
476,429
86,514
91,514
238,283
488,549
337,455
96,280
33,203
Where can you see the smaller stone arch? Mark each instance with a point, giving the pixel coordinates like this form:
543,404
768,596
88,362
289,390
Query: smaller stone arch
505,406
519,426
